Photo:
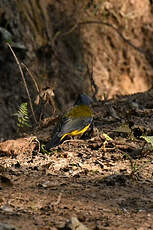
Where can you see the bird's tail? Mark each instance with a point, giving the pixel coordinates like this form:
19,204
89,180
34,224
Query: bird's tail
55,141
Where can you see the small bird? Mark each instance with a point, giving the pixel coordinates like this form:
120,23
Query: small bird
74,122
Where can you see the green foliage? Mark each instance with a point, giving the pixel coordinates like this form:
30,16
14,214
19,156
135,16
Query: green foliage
148,139
124,128
43,150
23,117
108,138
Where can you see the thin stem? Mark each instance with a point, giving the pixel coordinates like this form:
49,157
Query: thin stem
25,84
29,72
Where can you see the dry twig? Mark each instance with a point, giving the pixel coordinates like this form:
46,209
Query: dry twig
25,84
30,74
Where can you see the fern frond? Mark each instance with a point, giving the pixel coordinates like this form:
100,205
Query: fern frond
23,117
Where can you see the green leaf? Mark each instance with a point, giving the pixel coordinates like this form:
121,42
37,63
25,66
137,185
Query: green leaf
22,115
148,139
124,128
108,138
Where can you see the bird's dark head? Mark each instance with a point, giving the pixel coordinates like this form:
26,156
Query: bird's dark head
83,99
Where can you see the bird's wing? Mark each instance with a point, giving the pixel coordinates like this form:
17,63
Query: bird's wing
76,119
70,125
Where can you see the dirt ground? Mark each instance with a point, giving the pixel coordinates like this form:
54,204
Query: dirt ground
104,59
96,182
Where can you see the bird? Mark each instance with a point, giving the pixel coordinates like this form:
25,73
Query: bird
74,122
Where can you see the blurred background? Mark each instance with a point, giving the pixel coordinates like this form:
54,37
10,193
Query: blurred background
100,47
